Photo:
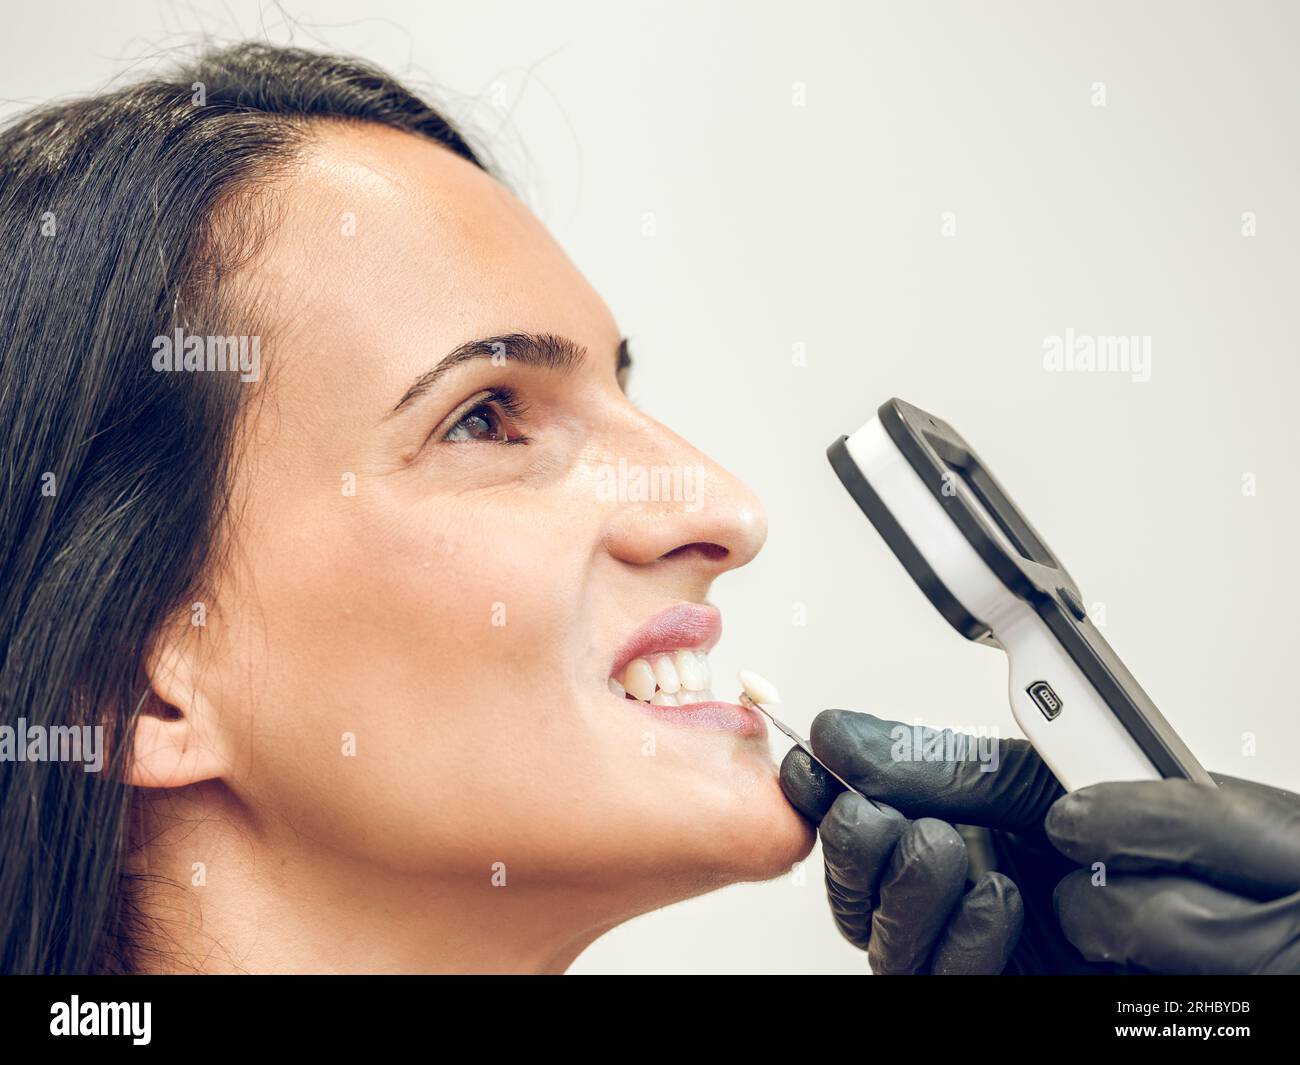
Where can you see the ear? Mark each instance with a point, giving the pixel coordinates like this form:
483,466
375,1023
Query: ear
177,740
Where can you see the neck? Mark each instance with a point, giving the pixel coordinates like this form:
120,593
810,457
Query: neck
219,897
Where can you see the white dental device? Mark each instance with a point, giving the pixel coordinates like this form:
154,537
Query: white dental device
985,569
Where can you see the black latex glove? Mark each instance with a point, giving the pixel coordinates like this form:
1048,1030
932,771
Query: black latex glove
1197,880
899,877
899,902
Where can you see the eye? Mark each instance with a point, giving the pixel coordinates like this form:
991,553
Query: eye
487,419
484,422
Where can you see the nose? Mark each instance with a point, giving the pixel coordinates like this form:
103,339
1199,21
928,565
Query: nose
673,506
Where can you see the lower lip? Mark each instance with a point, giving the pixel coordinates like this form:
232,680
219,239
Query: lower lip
712,717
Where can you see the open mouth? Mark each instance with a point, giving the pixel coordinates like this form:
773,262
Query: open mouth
664,669
676,678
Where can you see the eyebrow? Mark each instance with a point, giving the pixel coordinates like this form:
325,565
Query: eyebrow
544,350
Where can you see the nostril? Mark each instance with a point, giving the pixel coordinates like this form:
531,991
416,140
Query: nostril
713,552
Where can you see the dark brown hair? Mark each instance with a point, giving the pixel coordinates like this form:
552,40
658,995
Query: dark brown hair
120,214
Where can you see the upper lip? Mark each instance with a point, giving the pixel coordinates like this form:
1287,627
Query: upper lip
697,626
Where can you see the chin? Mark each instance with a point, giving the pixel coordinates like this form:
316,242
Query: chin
707,839
761,839
774,846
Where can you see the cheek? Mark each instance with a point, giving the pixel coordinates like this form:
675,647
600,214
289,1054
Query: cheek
408,675
406,603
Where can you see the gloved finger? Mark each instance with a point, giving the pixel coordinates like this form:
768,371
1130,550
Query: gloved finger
1243,837
858,841
982,931
998,783
920,887
1175,925
807,786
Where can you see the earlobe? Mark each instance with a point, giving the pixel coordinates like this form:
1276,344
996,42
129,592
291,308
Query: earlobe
176,739
169,753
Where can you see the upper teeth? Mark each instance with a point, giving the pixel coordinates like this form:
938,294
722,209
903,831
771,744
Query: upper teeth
675,678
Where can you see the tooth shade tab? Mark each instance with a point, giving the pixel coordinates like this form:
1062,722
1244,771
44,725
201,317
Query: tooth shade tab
758,688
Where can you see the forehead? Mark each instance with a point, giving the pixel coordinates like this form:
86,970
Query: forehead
390,250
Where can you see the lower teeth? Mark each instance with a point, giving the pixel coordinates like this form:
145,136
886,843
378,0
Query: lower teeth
662,698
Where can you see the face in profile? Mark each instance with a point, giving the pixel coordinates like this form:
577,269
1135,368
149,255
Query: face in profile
452,696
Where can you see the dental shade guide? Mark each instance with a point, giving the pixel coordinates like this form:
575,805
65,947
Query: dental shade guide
756,688
984,568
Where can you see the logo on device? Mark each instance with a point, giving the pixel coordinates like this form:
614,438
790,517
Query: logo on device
1048,701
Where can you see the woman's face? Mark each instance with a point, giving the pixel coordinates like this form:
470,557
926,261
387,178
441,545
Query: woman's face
432,574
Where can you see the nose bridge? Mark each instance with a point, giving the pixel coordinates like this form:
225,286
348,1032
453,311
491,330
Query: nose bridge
669,494
659,445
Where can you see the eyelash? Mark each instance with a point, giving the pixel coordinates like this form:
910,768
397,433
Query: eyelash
507,399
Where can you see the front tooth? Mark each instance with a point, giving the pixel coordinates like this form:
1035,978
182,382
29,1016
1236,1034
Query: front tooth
616,688
694,676
639,680
688,697
703,659
661,699
665,674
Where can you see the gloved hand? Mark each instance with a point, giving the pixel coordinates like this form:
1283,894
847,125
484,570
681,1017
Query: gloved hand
1197,880
897,872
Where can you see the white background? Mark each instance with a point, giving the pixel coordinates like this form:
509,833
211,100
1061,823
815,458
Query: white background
778,225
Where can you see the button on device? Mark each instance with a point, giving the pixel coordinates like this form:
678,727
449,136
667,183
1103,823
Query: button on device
1072,601
1046,699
